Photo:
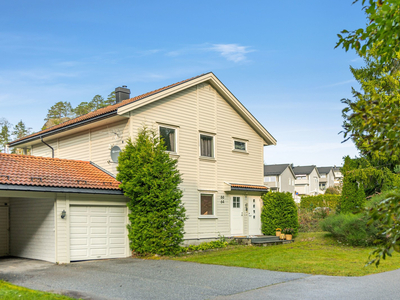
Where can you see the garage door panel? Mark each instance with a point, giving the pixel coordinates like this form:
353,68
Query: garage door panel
103,234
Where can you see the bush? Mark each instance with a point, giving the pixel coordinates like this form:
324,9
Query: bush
326,200
205,246
309,219
150,179
332,190
279,211
353,196
351,229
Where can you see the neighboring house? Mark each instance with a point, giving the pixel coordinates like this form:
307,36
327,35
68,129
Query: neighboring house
47,210
327,178
307,180
338,176
217,141
279,178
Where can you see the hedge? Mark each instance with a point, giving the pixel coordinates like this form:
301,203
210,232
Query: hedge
331,201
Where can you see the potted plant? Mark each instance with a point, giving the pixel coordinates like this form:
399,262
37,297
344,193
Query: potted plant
288,233
278,232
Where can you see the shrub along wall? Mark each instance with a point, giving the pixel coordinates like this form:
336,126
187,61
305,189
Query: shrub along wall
311,202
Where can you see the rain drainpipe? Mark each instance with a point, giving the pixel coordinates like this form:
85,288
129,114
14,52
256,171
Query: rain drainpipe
52,150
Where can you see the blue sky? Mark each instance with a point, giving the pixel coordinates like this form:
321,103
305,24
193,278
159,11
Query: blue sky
276,57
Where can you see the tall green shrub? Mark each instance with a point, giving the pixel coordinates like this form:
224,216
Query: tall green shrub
279,211
325,200
353,196
150,179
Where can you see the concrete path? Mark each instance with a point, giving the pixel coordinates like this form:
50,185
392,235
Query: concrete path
148,279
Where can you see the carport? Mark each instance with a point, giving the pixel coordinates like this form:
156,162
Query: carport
60,210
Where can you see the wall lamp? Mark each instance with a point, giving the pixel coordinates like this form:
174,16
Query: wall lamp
63,214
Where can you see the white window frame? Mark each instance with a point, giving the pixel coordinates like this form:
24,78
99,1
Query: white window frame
240,141
214,199
213,157
176,136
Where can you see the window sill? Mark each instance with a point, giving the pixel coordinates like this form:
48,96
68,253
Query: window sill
240,151
206,158
174,154
208,217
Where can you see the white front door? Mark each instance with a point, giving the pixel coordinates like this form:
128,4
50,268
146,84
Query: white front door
4,231
254,215
98,232
237,215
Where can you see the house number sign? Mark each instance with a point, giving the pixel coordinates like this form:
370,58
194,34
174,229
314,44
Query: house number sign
222,199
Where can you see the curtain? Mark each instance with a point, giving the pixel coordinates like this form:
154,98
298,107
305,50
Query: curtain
206,145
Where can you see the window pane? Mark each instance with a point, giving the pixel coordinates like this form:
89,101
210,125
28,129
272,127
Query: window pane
240,145
168,135
206,146
207,205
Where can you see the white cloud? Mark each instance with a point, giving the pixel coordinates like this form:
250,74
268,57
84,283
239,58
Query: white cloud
232,52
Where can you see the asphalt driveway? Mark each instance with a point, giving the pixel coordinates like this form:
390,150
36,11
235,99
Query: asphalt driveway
149,279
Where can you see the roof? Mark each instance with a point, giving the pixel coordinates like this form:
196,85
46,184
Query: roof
102,112
275,169
324,170
35,171
303,170
247,187
123,108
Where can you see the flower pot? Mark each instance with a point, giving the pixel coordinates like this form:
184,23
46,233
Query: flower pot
278,233
282,236
289,237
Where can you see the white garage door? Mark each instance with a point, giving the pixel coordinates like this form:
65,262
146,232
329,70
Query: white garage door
98,232
3,231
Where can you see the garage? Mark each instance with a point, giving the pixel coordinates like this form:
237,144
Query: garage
60,210
98,232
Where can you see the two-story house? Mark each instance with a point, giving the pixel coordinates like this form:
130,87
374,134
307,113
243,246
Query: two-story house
217,141
280,178
307,180
327,178
337,171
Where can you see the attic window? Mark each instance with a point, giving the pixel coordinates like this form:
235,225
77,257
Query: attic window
239,145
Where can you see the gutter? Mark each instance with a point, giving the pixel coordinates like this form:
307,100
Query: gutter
52,149
51,132
26,188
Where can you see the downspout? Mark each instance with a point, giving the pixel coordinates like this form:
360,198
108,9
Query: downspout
52,150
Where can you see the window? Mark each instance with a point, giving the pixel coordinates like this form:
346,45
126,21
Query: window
301,177
269,178
323,175
207,204
236,202
206,145
238,145
168,135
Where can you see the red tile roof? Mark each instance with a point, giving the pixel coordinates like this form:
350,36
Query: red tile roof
53,172
246,186
102,111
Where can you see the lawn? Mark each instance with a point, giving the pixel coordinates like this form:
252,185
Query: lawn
10,292
311,253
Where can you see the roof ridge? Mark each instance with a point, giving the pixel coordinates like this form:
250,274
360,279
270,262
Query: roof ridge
106,109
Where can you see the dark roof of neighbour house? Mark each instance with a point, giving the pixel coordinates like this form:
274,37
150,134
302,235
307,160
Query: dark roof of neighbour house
34,173
98,114
337,169
275,169
324,170
303,170
247,187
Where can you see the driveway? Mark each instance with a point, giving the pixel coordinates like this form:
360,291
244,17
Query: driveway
163,279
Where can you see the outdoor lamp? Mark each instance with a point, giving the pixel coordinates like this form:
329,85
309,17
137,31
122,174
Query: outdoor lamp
63,214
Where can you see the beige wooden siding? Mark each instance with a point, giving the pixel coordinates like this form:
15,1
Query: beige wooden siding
75,147
41,149
32,228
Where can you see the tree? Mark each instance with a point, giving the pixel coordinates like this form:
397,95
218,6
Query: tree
150,178
111,99
83,108
5,133
20,130
97,102
381,31
59,111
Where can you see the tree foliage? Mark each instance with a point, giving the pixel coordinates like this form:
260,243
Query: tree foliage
279,211
20,130
381,31
150,179
5,133
325,200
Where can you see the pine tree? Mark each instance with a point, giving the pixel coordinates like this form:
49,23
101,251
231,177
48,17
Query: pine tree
20,130
150,179
5,134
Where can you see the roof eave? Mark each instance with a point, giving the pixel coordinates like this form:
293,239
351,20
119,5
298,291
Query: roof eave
30,188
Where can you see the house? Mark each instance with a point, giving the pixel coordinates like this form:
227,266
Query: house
307,180
217,141
47,211
280,178
327,178
337,171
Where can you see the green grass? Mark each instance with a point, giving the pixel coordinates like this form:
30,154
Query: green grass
311,253
10,292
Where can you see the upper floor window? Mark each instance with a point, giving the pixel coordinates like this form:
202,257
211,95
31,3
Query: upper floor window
168,135
270,179
206,145
323,175
239,145
300,177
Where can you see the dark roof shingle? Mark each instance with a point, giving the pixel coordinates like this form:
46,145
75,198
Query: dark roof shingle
303,170
274,169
